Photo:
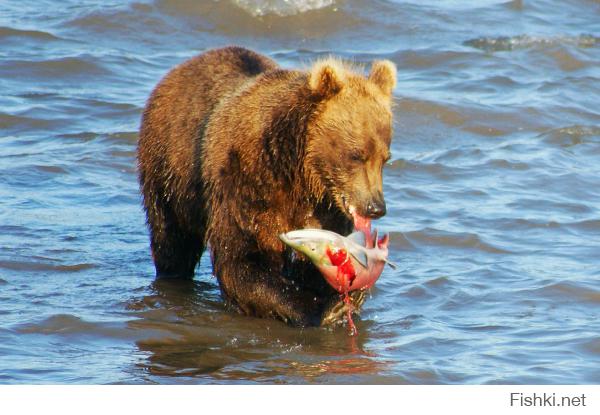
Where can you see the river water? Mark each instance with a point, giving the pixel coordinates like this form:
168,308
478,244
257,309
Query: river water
493,195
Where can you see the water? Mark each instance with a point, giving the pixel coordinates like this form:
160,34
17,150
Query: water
493,195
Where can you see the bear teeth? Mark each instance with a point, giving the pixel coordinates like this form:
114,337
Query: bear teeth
349,208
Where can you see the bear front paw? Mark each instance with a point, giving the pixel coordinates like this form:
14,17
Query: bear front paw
336,311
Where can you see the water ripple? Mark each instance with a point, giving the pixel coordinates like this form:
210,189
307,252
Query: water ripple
460,240
508,43
9,32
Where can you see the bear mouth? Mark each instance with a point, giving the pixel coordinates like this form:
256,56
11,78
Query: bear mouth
361,223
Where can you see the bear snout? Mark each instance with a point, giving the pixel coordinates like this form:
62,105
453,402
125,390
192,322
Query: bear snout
376,207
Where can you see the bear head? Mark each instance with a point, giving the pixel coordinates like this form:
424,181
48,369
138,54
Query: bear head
349,137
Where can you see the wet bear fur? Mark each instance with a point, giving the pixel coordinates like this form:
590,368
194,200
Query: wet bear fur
234,150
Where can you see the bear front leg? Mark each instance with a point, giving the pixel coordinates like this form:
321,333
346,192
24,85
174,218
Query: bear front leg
260,291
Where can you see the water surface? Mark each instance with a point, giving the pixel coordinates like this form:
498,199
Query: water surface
493,195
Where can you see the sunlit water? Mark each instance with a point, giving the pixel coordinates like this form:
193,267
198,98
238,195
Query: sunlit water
493,195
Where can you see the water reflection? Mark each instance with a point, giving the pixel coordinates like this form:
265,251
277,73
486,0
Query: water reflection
199,338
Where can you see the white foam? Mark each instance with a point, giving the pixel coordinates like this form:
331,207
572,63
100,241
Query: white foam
281,7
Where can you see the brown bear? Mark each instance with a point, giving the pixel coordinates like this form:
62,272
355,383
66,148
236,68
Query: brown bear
234,150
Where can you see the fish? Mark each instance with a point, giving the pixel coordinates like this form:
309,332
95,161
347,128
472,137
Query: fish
347,263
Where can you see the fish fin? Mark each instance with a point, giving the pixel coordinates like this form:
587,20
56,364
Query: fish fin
372,243
358,237
384,241
360,256
391,264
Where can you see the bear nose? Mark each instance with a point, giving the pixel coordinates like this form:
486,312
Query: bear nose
376,209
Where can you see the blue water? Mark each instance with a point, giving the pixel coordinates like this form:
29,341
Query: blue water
493,195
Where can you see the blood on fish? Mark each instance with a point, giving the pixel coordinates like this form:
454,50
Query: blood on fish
341,259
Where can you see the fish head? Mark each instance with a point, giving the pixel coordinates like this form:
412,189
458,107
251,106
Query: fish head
313,243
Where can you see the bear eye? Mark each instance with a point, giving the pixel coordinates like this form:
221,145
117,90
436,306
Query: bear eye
357,156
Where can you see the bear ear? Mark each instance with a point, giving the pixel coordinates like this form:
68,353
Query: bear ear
326,78
383,74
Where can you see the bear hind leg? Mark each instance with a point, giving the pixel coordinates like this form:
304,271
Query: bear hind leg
175,250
